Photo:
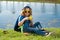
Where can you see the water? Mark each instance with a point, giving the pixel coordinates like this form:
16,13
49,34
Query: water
48,14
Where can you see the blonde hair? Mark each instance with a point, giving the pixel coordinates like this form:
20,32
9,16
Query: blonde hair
22,12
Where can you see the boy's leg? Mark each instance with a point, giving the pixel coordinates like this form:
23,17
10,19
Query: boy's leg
37,24
36,30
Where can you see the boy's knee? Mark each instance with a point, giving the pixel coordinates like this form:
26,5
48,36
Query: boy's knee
37,22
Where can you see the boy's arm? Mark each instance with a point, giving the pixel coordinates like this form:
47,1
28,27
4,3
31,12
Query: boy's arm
22,21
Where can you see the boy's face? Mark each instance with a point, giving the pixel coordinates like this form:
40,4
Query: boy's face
27,12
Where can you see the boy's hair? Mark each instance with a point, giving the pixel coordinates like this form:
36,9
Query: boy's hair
22,13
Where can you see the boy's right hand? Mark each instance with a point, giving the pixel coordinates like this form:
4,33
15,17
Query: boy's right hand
26,18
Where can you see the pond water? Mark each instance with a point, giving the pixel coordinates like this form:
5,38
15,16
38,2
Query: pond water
48,14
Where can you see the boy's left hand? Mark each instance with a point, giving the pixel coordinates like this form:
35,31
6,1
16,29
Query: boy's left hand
31,24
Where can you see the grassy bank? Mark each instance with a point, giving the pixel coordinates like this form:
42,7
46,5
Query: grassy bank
13,35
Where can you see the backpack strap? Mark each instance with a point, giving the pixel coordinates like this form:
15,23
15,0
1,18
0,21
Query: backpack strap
20,27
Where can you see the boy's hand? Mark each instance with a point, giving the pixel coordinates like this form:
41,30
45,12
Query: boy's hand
26,18
30,24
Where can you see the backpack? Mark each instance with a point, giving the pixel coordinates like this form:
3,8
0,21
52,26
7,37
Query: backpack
16,25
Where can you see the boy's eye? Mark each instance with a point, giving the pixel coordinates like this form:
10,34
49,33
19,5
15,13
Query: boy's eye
27,11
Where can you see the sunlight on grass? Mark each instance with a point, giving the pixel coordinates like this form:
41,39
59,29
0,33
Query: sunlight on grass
13,35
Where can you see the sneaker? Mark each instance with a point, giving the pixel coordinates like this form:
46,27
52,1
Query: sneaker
49,34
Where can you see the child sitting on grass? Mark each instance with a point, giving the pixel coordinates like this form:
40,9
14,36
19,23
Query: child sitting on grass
27,23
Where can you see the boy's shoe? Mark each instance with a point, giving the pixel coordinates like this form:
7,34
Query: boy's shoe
49,34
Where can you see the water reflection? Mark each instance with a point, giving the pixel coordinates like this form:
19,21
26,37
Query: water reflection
0,6
46,13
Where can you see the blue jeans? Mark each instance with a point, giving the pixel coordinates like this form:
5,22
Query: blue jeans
37,25
34,29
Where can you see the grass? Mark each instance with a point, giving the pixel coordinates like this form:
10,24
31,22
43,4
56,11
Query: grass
13,35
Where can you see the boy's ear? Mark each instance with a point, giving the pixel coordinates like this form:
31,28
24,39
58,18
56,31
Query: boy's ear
22,12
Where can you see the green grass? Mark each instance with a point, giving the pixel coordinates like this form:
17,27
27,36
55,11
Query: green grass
13,35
